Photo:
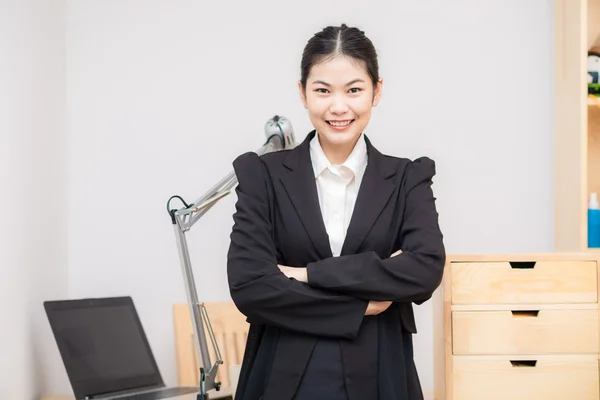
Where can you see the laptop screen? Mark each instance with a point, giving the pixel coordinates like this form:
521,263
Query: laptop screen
103,345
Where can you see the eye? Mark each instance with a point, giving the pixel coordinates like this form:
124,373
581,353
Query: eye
321,90
355,90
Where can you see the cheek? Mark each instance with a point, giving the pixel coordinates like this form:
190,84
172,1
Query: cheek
318,107
362,106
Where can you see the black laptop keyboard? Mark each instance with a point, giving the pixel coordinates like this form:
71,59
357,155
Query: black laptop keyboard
161,394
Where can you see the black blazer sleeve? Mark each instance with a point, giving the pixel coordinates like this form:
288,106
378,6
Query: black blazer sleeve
257,286
411,276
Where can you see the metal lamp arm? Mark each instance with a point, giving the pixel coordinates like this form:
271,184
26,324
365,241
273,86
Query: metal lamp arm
279,136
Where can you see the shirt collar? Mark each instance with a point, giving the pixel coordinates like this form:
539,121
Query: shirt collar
356,161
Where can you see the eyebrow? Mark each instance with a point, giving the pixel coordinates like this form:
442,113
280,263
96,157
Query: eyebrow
352,82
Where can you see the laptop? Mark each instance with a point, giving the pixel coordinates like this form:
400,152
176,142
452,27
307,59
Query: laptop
105,351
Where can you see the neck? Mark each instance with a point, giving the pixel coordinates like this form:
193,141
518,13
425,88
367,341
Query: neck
337,154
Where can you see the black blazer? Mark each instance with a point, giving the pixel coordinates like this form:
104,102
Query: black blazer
278,221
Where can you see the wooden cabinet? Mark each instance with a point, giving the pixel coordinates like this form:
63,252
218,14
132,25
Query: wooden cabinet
522,326
519,378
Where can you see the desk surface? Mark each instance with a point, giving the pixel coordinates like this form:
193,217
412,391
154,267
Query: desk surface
428,396
191,396
213,394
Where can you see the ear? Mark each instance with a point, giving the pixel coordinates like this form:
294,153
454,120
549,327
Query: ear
302,94
377,92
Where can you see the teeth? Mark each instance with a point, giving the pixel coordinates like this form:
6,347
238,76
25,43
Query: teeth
334,123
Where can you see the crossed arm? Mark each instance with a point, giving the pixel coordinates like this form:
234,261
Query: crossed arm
301,275
328,297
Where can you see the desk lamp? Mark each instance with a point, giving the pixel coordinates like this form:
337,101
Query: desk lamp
280,136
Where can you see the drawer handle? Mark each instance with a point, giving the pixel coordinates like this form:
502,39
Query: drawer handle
525,313
523,363
522,264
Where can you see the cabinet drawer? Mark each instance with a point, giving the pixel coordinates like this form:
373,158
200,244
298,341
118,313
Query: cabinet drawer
478,378
524,282
525,332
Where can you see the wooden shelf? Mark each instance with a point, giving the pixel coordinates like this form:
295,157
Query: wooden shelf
593,101
577,122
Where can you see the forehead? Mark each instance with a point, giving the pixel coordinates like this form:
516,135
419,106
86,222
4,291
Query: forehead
338,70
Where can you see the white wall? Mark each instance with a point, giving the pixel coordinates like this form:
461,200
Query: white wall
162,96
33,256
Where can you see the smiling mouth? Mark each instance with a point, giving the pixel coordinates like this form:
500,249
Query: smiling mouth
340,123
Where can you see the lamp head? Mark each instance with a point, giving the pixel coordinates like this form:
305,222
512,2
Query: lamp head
279,130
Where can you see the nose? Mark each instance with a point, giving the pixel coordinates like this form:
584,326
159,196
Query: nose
338,105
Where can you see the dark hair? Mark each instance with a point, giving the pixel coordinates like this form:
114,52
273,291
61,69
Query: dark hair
339,41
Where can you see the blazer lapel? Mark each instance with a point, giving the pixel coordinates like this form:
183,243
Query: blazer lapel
373,195
301,187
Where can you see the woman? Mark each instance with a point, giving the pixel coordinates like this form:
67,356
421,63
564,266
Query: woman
332,243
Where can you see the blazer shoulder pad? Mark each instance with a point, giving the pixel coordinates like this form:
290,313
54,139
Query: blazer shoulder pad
249,168
420,170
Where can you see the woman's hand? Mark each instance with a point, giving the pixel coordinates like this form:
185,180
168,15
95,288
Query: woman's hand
377,307
396,253
298,274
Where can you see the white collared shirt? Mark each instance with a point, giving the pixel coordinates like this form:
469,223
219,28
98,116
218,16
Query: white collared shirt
337,187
